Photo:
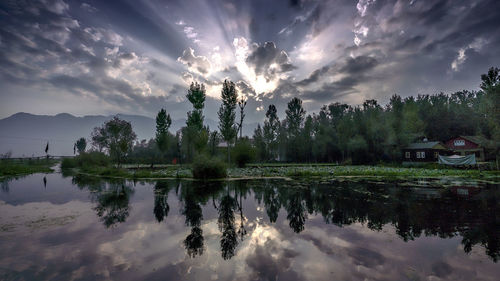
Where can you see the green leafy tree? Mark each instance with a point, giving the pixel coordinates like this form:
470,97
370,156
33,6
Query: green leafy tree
196,95
260,144
244,152
163,122
306,139
81,145
491,105
282,141
213,142
241,104
270,131
324,136
371,133
195,135
295,114
397,138
116,137
227,114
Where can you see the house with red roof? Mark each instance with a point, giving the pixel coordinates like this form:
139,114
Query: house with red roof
466,145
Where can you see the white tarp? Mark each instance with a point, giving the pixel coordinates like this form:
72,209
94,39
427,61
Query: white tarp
457,160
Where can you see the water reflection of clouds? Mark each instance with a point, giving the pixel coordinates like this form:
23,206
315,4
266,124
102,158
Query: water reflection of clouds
142,248
380,258
152,249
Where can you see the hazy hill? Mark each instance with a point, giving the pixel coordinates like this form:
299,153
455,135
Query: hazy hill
27,134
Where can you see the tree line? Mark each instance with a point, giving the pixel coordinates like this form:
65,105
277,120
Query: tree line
371,132
339,132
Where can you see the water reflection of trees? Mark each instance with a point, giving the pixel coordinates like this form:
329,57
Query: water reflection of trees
4,184
111,196
412,212
227,199
161,207
113,204
194,242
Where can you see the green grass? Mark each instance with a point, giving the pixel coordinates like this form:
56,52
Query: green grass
359,171
86,160
385,173
169,172
25,167
278,164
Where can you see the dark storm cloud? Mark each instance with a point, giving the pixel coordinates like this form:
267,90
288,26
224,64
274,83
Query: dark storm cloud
313,21
268,60
245,89
135,19
359,64
315,76
354,70
42,45
75,84
141,55
110,90
295,3
411,43
334,90
270,18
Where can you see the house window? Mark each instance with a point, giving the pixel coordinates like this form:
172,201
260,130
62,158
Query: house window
421,154
459,142
436,154
407,154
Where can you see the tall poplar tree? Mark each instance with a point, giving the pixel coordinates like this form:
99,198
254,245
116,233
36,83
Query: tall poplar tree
227,114
163,122
295,115
270,131
241,104
194,135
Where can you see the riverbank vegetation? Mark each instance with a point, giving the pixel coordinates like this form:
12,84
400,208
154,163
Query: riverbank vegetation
311,172
10,167
370,134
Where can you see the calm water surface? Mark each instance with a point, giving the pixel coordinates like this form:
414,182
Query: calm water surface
85,228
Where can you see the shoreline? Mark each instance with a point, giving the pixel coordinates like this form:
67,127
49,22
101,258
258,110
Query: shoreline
416,176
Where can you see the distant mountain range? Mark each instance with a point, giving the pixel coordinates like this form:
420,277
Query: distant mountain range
27,134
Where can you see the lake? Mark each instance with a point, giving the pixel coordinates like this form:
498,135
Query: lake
55,227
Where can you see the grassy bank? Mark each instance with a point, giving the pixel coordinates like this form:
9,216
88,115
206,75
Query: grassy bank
113,172
296,171
361,171
25,167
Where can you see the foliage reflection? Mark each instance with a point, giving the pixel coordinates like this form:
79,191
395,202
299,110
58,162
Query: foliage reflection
412,211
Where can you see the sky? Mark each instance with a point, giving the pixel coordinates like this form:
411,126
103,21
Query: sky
135,57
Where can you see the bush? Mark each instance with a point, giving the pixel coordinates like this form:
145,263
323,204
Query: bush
243,152
93,158
86,159
208,168
68,163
